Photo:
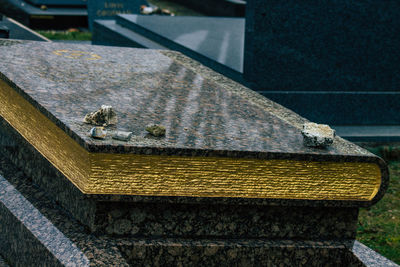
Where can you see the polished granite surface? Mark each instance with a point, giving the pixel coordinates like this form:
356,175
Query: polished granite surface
200,113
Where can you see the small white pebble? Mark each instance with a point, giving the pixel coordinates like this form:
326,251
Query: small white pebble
98,132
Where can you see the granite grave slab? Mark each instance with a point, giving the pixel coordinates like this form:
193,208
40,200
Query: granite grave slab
230,182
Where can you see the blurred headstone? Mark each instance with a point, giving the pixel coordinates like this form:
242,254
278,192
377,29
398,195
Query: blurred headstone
18,31
39,15
58,2
343,55
105,9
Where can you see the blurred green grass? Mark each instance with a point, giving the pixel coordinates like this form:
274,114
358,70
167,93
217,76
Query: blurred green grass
69,35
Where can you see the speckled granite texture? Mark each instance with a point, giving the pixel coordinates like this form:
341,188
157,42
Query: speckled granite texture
36,232
146,86
369,257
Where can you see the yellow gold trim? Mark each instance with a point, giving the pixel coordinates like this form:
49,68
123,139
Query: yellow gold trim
155,175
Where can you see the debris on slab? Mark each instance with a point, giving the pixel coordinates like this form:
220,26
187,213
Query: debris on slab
104,116
156,130
98,132
153,10
317,135
122,136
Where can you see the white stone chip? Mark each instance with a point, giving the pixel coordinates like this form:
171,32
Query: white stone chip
317,135
122,136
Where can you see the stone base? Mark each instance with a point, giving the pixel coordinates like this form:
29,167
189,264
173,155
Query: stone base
35,231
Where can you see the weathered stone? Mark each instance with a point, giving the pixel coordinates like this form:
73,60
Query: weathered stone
104,116
156,130
317,135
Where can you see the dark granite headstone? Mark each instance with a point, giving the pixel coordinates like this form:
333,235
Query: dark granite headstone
214,42
107,9
51,17
4,32
340,54
221,8
19,31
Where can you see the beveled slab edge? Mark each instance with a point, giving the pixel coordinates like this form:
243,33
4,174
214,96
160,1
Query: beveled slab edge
44,167
192,176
